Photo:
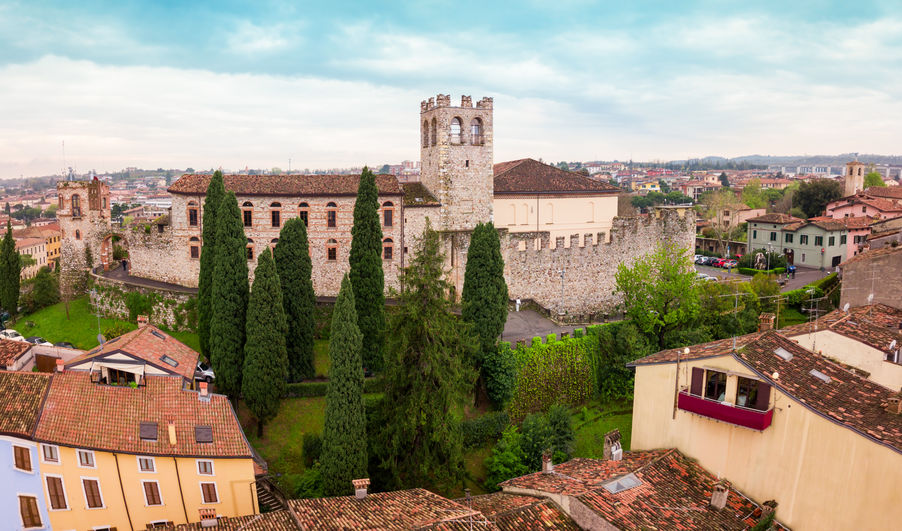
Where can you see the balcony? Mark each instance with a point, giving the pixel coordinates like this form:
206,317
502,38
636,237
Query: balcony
739,416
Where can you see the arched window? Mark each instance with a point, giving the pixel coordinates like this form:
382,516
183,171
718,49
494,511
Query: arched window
274,241
456,126
247,211
388,211
433,133
332,250
192,214
387,249
276,214
250,249
331,214
194,246
476,137
76,205
305,213
77,234
62,202
425,133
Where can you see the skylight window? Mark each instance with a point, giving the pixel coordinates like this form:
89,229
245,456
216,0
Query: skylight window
169,361
158,334
820,376
203,434
621,484
148,431
783,353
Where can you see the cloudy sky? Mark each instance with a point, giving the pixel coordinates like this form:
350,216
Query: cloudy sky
338,83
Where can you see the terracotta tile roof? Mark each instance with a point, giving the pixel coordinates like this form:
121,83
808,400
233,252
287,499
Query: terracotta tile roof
22,243
831,224
150,344
11,350
403,509
272,521
83,414
721,347
21,394
775,217
851,222
291,185
889,192
876,325
513,512
416,194
528,176
880,203
875,253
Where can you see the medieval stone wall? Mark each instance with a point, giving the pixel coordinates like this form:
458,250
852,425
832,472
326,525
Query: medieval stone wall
84,217
174,310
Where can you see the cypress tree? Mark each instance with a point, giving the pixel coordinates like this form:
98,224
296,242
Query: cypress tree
10,272
484,299
427,377
265,356
367,278
293,264
344,453
230,294
215,191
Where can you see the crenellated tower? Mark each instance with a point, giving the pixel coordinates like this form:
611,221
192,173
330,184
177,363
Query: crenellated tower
456,160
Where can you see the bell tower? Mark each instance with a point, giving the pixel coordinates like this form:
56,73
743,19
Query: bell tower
456,160
853,180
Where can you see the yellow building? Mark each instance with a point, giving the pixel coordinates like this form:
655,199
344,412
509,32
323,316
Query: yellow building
782,423
123,457
530,196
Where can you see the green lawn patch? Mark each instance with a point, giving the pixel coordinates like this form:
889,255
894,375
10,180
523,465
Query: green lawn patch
791,316
321,361
189,338
80,329
601,418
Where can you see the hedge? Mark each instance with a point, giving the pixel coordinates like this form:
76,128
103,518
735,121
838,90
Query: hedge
752,272
484,429
319,388
826,283
800,296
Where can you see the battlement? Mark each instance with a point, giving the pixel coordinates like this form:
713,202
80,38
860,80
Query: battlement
444,100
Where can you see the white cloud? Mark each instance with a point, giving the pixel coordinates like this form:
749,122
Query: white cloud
252,39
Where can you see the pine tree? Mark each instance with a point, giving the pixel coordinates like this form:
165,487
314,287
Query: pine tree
230,294
427,377
265,357
293,264
485,303
367,278
10,272
344,453
215,191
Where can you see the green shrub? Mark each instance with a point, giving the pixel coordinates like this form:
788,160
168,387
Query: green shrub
313,446
322,315
306,485
116,330
618,344
551,338
139,304
507,460
552,431
826,283
578,333
306,389
373,385
536,341
752,272
499,368
484,429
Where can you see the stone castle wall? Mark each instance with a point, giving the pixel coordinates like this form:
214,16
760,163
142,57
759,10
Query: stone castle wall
174,310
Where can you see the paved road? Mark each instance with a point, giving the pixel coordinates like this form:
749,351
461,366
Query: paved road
527,324
804,275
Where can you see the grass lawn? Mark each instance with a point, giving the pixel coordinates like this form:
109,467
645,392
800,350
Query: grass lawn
791,316
321,361
600,419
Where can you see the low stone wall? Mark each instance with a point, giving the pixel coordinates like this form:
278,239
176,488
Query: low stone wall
119,300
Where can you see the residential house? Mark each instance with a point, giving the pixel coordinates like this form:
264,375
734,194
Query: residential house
864,204
782,423
51,234
818,244
16,355
873,278
858,227
36,249
22,501
695,189
885,232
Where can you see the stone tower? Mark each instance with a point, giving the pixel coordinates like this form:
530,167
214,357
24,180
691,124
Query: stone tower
456,160
853,180
84,217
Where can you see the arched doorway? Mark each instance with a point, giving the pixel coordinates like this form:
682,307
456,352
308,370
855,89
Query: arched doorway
113,249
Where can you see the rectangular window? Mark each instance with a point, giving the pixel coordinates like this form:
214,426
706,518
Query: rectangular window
152,493
86,459
754,234
818,241
92,493
332,253
803,239
276,218
304,216
330,218
195,251
773,236
56,493
715,385
788,238
208,490
192,217
842,239
146,464
864,208
752,394
831,241
23,458
51,453
387,217
205,468
28,509
248,220
387,252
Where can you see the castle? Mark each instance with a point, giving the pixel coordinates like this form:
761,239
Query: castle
561,238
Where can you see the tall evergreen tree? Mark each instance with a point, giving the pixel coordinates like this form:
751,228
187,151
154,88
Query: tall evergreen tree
10,271
427,377
215,191
344,454
367,278
485,296
293,264
265,356
230,294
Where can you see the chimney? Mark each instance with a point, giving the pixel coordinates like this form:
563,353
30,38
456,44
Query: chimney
547,465
613,449
768,507
142,321
766,322
60,365
719,495
208,517
172,439
204,392
360,486
894,404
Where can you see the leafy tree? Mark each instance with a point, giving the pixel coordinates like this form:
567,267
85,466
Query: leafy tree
265,357
766,289
499,369
619,343
507,460
385,169
752,195
215,192
293,263
665,188
724,180
730,309
813,196
10,272
873,179
44,291
426,377
230,295
676,197
553,431
344,455
484,296
659,291
367,278
562,165
797,212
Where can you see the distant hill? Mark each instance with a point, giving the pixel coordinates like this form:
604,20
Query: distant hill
831,160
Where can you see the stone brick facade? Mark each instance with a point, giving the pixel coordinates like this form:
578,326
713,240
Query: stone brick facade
84,217
873,278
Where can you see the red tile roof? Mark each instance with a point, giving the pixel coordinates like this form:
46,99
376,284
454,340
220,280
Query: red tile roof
889,192
272,521
150,344
775,217
711,349
291,185
877,325
21,394
875,253
83,414
851,222
514,512
11,350
528,176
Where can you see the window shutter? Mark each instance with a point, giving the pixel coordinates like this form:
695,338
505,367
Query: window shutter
763,399
698,378
55,488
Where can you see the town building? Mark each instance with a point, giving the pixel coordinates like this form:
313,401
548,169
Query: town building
873,278
52,236
858,227
853,178
818,244
36,249
885,232
16,355
863,204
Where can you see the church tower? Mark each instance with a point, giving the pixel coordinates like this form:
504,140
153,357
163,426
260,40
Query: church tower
456,160
853,180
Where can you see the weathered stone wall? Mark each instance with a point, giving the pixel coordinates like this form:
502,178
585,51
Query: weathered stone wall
589,268
162,256
877,274
171,309
84,226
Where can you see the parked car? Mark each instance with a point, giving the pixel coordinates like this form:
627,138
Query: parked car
717,262
64,344
696,257
729,264
204,372
9,333
700,259
38,340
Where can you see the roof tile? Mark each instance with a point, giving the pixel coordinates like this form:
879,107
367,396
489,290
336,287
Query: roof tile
531,176
290,185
